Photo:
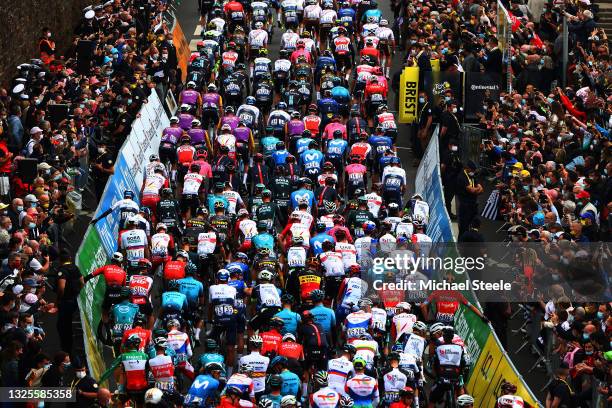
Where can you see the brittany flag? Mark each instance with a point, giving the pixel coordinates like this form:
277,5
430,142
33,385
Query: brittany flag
491,207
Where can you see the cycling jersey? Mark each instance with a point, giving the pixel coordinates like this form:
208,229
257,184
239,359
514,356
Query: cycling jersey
415,345
114,275
134,365
203,388
243,383
259,366
140,287
326,397
332,262
162,369
363,389
352,290
394,380
174,270
291,350
192,289
338,371
348,252
174,302
123,317
402,324
447,303
271,341
180,343
324,317
366,349
222,298
160,244
291,320
357,324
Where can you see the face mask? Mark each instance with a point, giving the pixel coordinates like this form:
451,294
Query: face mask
454,110
586,336
526,188
129,101
33,205
600,315
454,148
570,319
559,139
67,365
20,208
164,56
447,98
588,353
29,329
31,225
48,35
421,100
80,374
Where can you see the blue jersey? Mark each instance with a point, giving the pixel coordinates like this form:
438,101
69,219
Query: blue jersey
384,161
291,319
264,240
302,144
202,388
341,95
280,157
244,268
376,13
327,107
311,159
325,61
301,194
380,144
324,317
192,289
336,148
213,198
347,16
174,302
291,383
316,242
268,145
123,316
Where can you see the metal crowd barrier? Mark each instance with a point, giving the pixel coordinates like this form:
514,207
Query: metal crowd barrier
471,139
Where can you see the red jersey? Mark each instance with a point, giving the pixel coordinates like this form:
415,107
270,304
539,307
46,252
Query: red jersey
271,342
375,92
291,349
174,270
140,287
371,51
447,303
114,275
144,334
312,123
342,45
185,154
233,8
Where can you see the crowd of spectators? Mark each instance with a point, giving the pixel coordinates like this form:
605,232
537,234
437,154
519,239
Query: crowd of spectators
64,116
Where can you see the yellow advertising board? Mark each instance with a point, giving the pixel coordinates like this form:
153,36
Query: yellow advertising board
409,95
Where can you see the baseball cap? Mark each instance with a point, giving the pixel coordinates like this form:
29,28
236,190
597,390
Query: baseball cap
35,130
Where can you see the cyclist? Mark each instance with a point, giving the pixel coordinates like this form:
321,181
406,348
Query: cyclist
450,362
222,298
340,369
115,278
204,390
362,388
325,396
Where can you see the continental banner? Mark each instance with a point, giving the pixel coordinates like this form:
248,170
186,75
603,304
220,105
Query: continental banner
409,95
100,241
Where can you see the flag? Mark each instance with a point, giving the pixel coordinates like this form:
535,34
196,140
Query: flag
491,207
516,23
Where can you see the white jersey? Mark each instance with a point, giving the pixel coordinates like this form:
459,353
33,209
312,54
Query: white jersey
513,401
219,24
228,140
192,183
410,365
449,354
396,171
387,243
354,289
363,246
207,242
305,218
289,40
127,208
332,262
366,349
327,17
379,319
403,323
234,199
248,113
326,397
312,12
248,229
162,369
309,44
134,242
258,38
415,345
348,252
296,257
338,371
300,230
363,389
393,382
268,295
421,208
179,342
243,382
374,203
405,229
159,244
385,34
259,366
284,65
152,184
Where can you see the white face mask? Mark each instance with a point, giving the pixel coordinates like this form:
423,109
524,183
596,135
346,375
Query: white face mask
80,374
454,110
454,148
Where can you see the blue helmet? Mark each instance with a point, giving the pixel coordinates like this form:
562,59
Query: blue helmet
369,226
234,269
281,105
250,100
223,275
128,194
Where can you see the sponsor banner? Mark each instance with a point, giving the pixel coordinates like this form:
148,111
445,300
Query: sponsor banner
182,49
91,255
480,86
101,241
143,141
491,370
409,94
436,83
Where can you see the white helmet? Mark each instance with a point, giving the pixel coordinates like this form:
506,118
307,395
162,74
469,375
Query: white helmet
117,257
161,225
465,400
191,84
436,328
419,325
383,23
404,306
195,122
153,396
174,119
265,275
258,25
288,400
255,340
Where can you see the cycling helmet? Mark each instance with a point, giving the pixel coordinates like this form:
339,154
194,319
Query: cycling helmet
417,197
153,396
278,360
289,337
174,119
258,25
281,106
346,401
211,344
394,355
349,348
140,319
263,52
233,390
317,295
183,254
383,22
436,328
219,205
407,218
359,362
250,100
266,402
448,332
364,302
296,115
160,342
160,225
172,323
125,293
288,401
213,366
354,269
166,191
465,400
418,221
419,325
133,341
117,257
276,322
245,368
223,275
297,240
128,194
287,298
212,88
404,306
185,107
153,158
330,207
406,391
265,275
369,226
191,269
307,314
255,341
241,256
229,109
320,378
195,123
